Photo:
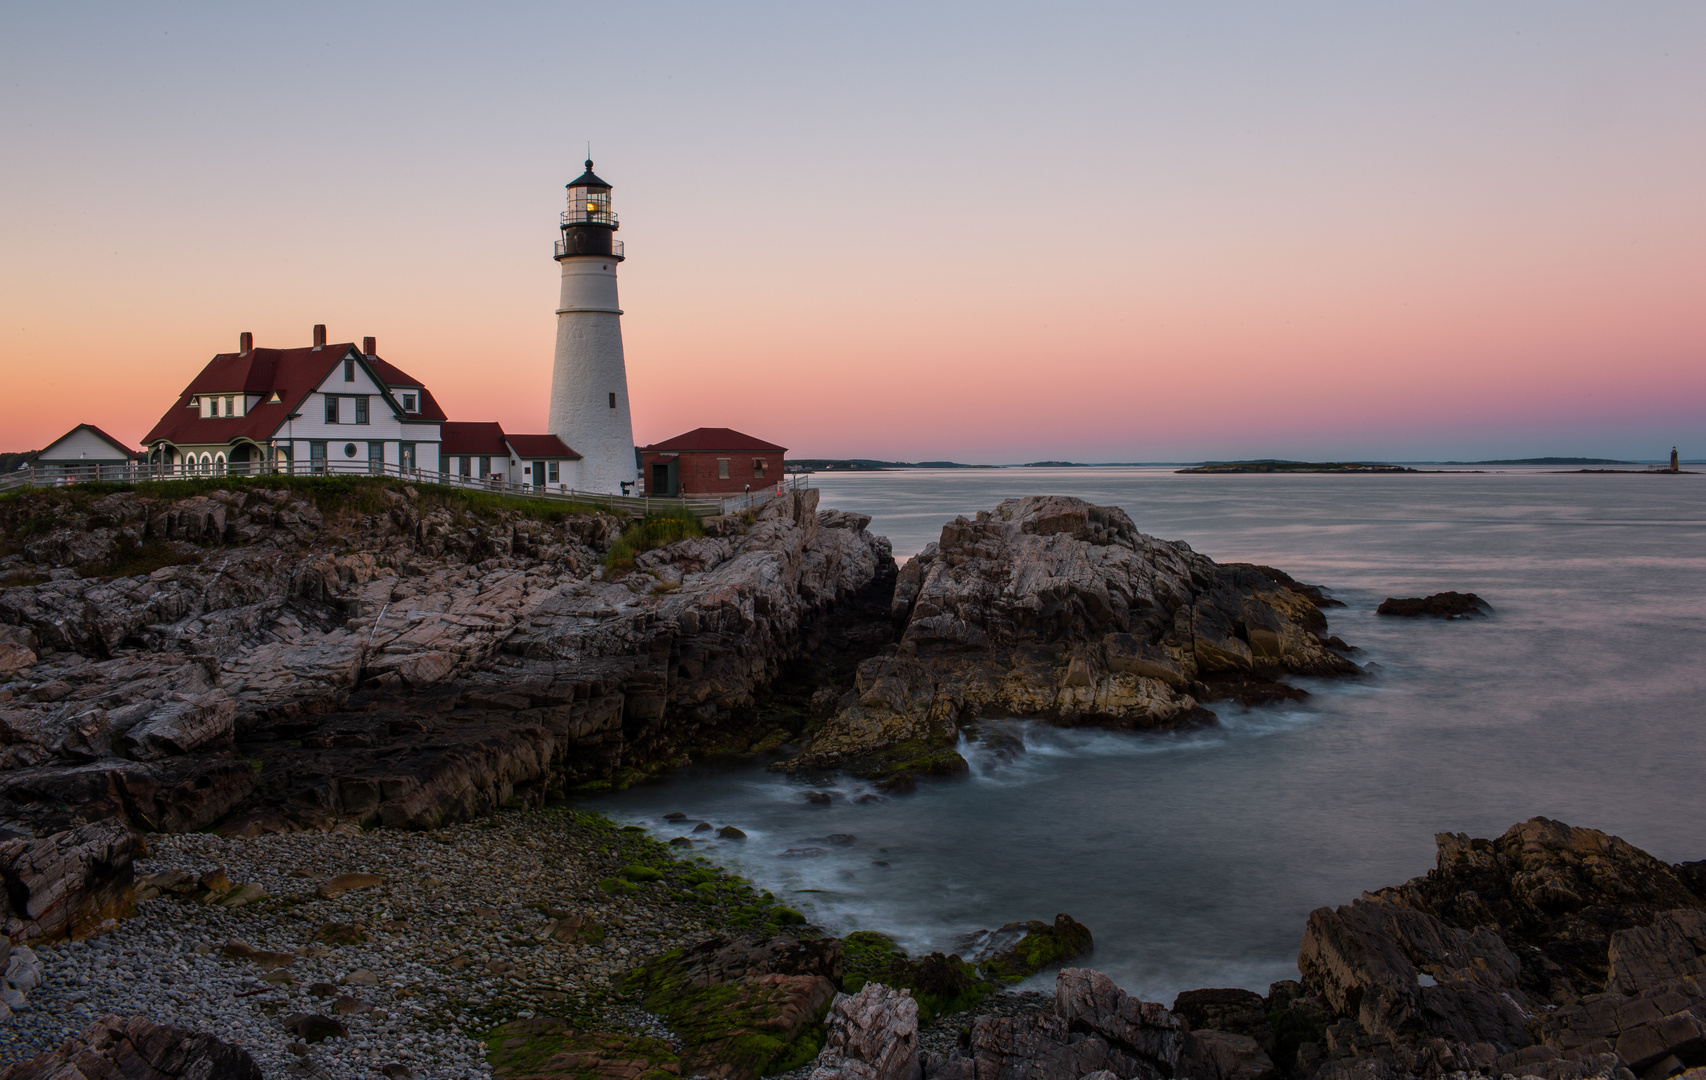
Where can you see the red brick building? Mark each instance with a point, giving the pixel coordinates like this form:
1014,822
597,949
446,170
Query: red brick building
710,461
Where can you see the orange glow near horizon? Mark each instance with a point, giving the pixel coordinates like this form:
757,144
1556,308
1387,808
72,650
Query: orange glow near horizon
1444,233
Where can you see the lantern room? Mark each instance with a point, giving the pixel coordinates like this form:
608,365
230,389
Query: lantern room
589,224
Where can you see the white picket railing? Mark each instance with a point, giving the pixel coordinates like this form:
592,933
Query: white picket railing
138,472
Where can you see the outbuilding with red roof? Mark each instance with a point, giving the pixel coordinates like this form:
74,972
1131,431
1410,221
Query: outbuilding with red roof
720,461
476,450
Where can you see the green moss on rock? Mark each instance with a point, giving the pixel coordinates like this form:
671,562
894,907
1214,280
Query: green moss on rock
1042,946
548,1048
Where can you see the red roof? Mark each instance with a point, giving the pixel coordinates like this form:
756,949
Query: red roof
292,374
476,437
715,438
541,446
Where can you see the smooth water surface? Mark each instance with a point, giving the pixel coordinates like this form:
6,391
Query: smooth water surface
1196,858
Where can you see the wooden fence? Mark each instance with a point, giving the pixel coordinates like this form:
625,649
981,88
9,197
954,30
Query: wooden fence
631,505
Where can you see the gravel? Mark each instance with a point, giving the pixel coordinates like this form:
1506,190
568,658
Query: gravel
457,944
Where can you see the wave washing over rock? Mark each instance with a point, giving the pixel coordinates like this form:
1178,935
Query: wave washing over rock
1050,607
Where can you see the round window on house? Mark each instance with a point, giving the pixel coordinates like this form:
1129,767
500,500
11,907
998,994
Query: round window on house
349,449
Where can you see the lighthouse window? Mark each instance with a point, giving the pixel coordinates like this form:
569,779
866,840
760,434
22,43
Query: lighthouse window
612,401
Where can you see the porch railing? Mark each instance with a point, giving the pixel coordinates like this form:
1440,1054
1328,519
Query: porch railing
139,472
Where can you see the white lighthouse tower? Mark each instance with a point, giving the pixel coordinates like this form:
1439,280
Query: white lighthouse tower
589,384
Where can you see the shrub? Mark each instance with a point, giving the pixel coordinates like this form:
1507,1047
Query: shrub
657,530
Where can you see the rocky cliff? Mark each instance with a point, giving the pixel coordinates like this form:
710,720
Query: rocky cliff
1049,607
273,656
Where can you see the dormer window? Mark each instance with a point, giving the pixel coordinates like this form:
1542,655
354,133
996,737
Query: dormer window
409,403
349,369
275,399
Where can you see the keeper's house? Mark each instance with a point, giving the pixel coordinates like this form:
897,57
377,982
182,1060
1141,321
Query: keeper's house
321,408
480,452
80,451
711,461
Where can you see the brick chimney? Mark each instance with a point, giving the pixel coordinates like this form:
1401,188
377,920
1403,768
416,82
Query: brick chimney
245,342
319,336
370,346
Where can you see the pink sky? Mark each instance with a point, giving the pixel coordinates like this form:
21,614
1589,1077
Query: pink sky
1117,234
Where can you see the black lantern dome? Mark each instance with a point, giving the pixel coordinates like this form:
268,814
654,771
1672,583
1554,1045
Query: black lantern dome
589,225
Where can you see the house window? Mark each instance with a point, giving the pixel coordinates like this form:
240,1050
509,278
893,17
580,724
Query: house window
349,369
317,456
376,457
485,467
361,409
722,468
612,401
331,408
349,449
551,472
758,466
406,455
463,466
409,403
228,411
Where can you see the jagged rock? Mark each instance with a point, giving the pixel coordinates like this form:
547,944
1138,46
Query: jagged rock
183,725
408,668
1089,1001
1551,951
67,884
1445,605
1037,1048
1049,607
872,1035
1224,1055
117,1048
1242,1012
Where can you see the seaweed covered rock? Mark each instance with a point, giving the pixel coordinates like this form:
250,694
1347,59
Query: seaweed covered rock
1052,608
135,1048
1019,950
546,1048
743,1007
937,982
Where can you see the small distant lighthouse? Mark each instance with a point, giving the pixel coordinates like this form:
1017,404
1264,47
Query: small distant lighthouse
1675,465
589,384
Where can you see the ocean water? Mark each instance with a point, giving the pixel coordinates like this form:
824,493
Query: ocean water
1196,858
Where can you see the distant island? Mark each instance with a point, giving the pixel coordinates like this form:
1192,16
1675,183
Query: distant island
1546,461
872,465
1270,466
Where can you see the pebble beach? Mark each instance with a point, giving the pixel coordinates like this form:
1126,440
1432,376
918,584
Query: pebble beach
458,937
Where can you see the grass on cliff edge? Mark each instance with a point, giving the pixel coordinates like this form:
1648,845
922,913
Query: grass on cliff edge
658,529
28,510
